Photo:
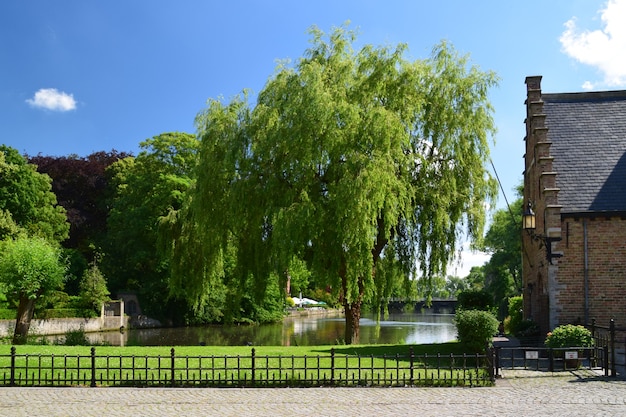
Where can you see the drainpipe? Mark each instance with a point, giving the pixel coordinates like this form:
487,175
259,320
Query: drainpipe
586,272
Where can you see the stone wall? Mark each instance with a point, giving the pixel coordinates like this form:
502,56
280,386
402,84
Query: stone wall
62,326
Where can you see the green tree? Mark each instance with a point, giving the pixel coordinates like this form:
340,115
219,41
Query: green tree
93,288
455,285
476,278
503,271
8,228
347,158
146,188
26,195
29,267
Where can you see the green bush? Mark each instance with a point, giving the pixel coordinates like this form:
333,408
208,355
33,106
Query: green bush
569,335
76,338
475,329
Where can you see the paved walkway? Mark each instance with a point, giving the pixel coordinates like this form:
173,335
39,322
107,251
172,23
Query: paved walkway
518,393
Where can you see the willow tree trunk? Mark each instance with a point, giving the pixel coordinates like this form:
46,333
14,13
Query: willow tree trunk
25,312
353,317
352,308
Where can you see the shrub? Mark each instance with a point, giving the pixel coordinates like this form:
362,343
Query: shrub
569,335
76,338
290,302
475,329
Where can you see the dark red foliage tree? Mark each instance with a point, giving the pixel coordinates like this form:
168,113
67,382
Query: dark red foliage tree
81,187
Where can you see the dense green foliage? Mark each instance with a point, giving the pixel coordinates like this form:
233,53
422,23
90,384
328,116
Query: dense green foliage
26,200
475,300
503,272
515,317
29,267
475,329
145,188
569,335
347,158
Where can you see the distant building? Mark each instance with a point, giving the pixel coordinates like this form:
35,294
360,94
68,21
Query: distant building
131,303
574,262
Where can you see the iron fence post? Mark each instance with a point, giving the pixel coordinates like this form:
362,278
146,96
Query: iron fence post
411,357
93,367
612,334
593,328
605,364
550,360
252,366
172,366
12,380
496,361
332,366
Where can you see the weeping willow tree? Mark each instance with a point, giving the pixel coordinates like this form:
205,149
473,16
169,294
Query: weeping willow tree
348,158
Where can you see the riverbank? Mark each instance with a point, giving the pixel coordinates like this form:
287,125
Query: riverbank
314,312
51,327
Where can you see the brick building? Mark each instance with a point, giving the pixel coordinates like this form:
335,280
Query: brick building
574,262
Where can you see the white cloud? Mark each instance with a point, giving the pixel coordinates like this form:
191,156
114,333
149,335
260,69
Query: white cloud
467,259
602,48
52,99
588,85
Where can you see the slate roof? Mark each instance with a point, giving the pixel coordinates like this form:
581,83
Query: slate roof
588,135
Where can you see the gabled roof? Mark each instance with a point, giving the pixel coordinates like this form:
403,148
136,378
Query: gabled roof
588,135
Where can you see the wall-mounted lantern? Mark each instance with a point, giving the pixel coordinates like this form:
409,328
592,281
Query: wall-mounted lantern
528,224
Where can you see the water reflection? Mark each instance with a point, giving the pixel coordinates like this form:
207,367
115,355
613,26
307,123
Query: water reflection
294,331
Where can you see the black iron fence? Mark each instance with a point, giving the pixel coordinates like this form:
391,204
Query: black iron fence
552,359
246,371
614,338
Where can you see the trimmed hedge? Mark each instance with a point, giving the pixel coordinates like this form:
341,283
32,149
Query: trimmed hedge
65,313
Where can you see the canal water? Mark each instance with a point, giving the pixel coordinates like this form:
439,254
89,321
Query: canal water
410,328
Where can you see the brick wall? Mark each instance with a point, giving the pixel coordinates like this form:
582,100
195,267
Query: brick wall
606,270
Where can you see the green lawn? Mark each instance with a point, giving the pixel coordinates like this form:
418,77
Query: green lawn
352,350
356,365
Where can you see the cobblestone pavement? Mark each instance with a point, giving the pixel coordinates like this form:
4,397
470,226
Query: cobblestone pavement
518,393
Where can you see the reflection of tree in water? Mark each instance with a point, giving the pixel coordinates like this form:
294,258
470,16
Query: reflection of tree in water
303,331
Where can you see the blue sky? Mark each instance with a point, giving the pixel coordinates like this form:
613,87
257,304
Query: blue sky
79,76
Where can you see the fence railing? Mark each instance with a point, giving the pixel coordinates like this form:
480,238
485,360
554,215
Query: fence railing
552,359
246,371
614,339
